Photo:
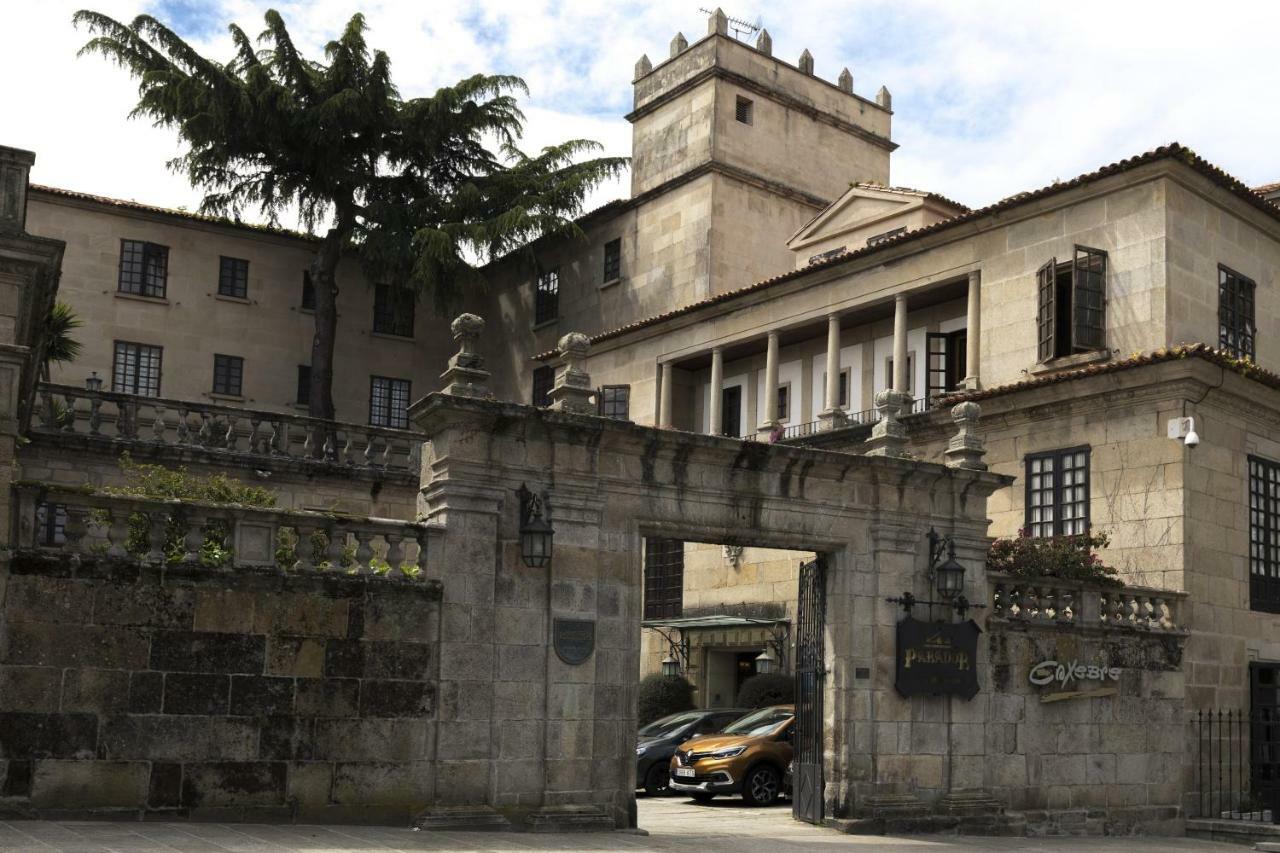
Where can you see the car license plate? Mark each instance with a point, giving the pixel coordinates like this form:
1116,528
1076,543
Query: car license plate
684,771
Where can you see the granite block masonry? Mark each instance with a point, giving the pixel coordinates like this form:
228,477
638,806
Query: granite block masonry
188,692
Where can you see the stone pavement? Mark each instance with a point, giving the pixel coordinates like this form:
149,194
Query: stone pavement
673,825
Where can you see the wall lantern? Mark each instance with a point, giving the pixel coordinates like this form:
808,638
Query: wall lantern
535,532
946,576
670,666
765,662
93,382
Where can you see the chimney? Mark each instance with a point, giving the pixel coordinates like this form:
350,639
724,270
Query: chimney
15,172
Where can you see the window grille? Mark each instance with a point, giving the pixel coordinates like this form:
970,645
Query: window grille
744,110
144,268
546,298
663,578
389,402
1236,328
543,379
135,369
1057,498
1264,535
613,259
233,277
228,373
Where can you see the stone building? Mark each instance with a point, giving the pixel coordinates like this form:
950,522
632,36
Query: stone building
743,290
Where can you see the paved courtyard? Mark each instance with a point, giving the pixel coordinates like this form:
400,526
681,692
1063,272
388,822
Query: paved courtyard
673,824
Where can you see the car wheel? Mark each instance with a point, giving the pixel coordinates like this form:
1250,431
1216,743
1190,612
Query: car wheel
702,797
762,786
657,781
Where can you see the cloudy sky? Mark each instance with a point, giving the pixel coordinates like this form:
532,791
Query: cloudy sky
990,98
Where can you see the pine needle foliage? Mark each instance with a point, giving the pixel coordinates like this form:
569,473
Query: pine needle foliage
422,190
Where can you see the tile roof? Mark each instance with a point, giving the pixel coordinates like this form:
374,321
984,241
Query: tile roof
1243,367
169,211
1266,189
1172,151
868,185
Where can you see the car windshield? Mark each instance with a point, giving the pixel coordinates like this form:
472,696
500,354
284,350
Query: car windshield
669,725
760,722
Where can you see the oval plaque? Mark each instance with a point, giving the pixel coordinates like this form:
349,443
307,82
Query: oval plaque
574,640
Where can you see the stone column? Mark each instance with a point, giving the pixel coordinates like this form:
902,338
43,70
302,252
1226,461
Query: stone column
664,399
832,415
715,403
900,375
770,403
973,332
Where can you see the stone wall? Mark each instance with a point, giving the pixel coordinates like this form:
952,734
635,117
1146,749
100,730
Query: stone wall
232,695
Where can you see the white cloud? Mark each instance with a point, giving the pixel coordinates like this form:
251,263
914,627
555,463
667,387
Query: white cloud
991,98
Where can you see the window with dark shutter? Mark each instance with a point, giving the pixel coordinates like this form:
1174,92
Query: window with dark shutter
1046,318
614,401
1236,327
543,378
1088,300
613,260
1057,494
393,309
144,268
1264,535
663,578
546,297
233,277
946,364
304,384
228,374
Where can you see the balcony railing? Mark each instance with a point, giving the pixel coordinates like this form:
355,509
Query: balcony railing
66,410
1050,601
84,525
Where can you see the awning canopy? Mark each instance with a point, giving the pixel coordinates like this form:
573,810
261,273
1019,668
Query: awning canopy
685,623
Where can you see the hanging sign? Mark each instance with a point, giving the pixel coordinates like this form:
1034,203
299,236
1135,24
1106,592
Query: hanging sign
937,658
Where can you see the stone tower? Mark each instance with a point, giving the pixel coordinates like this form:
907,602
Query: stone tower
733,150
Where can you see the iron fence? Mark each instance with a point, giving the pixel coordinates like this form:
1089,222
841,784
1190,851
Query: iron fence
1235,765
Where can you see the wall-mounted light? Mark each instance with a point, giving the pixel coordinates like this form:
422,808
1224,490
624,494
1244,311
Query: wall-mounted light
765,662
536,532
670,666
946,576
93,382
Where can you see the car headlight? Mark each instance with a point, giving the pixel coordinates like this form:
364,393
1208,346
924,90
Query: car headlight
640,750
730,752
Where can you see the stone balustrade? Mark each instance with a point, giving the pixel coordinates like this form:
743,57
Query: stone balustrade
83,524
1051,601
224,431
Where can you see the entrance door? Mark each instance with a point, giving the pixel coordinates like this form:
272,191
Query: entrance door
731,411
806,774
1264,689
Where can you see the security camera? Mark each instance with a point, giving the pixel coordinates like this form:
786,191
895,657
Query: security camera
1192,438
1185,429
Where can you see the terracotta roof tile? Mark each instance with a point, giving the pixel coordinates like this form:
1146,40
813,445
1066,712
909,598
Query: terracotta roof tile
1173,151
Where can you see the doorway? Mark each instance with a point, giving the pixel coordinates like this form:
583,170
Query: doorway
731,411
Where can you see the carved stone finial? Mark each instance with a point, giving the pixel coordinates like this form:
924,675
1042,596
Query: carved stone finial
643,66
889,436
679,45
718,23
884,99
806,62
764,43
572,390
466,376
966,448
845,81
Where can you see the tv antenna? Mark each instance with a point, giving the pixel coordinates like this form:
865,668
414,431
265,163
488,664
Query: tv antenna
739,26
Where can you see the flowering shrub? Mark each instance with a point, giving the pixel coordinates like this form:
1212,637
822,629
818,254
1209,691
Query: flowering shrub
1061,557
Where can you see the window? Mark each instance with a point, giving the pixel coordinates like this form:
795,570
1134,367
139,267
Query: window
947,362
842,396
1072,314
144,268
784,402
308,292
543,378
742,110
304,385
1236,329
228,371
615,402
1058,492
51,523
393,309
731,411
1264,535
135,369
233,277
546,298
663,578
389,402
613,260
911,373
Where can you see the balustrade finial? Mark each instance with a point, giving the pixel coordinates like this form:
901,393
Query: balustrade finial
966,448
889,436
572,390
466,376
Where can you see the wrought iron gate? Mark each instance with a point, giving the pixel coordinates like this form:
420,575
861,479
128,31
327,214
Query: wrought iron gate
806,775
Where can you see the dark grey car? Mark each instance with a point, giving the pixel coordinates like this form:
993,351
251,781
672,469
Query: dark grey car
659,739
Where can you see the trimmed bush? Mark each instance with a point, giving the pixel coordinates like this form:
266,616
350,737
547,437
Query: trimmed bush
761,691
661,695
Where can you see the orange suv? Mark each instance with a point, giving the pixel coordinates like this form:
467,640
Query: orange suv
749,758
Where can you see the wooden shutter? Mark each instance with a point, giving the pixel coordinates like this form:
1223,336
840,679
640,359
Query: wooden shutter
936,366
1046,316
1088,299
